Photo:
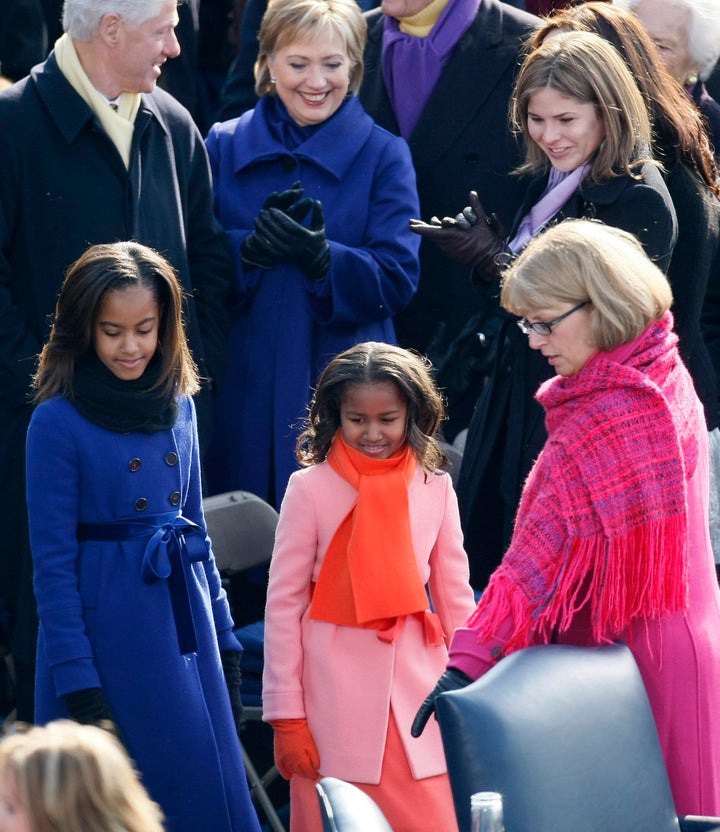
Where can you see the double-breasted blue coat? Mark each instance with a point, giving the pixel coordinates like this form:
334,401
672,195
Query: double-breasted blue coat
109,619
284,326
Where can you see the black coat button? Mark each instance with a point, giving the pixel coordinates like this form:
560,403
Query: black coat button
141,504
175,498
171,458
288,163
135,464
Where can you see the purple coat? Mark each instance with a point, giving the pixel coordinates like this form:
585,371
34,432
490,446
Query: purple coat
284,326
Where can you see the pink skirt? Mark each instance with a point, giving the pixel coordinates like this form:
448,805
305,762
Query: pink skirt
407,804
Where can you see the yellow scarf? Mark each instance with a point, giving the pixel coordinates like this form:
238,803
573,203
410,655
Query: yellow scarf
119,125
420,25
370,576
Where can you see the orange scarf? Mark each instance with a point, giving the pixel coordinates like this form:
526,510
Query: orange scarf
370,576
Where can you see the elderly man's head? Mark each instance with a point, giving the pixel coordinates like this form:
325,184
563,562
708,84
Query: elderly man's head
123,44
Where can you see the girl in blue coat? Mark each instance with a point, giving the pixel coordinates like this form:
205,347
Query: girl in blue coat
315,198
134,624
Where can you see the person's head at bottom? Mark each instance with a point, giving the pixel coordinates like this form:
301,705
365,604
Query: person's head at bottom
66,777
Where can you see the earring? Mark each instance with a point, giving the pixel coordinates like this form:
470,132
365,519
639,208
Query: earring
273,79
691,79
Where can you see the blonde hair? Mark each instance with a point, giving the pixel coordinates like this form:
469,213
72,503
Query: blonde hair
76,778
286,21
586,67
580,260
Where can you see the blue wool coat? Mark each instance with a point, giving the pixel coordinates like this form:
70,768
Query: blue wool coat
284,326
107,617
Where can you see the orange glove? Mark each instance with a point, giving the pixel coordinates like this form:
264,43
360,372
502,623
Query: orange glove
295,751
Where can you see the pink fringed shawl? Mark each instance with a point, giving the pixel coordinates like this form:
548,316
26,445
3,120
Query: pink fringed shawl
603,517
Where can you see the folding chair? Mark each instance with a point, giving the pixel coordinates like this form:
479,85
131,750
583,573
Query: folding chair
346,808
567,736
242,529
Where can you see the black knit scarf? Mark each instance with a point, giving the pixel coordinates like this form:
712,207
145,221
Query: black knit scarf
123,406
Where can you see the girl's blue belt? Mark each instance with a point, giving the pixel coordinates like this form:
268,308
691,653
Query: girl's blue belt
175,542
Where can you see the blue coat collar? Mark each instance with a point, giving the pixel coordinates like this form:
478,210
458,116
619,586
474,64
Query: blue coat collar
332,148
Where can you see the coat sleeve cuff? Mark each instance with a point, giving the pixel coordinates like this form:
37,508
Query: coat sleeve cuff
78,674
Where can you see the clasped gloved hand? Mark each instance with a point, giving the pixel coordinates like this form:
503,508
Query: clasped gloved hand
284,199
307,246
256,250
294,748
230,660
452,679
471,237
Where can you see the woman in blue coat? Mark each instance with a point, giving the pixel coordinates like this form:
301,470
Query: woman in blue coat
134,624
315,198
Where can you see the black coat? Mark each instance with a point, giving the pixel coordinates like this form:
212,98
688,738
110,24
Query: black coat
63,187
507,430
460,143
23,37
694,274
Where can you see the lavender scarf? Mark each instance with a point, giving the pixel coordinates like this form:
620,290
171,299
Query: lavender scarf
560,187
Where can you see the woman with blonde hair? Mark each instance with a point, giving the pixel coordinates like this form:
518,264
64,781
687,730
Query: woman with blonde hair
315,199
65,777
611,537
587,154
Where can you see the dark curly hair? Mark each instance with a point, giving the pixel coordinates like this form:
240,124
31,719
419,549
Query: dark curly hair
373,362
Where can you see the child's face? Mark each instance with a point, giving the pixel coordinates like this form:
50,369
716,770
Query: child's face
373,419
126,331
13,818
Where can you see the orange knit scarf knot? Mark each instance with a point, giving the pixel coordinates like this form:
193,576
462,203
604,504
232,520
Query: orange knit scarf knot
370,576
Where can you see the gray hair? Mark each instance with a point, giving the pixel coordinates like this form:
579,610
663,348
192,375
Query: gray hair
81,18
703,33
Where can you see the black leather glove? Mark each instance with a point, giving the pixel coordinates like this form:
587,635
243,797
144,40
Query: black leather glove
256,251
452,679
88,706
472,237
230,660
284,199
294,242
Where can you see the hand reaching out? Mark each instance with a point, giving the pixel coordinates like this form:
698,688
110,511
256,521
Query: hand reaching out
471,237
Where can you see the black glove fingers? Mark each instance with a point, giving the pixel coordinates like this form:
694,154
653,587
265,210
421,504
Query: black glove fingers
317,221
300,210
284,199
280,237
291,229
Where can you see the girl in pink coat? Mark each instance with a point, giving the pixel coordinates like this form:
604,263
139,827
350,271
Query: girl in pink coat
368,582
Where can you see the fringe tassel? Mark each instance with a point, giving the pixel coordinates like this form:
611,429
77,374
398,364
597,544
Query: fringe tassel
641,574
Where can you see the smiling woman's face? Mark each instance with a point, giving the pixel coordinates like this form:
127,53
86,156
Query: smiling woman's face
568,131
312,77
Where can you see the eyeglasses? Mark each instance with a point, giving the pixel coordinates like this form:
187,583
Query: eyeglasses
545,327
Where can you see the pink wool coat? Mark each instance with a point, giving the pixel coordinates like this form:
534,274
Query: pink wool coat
632,396
344,679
